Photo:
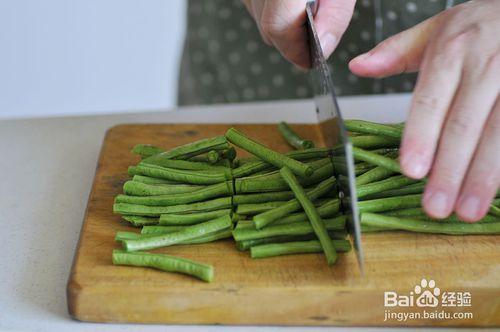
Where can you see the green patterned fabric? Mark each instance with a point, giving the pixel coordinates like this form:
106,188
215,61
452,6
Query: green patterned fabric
225,60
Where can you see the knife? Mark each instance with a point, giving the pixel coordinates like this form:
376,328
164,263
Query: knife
334,133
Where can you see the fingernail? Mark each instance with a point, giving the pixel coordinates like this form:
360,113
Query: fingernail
413,165
328,43
436,203
469,207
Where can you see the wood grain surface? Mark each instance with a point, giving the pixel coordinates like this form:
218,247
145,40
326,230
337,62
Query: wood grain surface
288,290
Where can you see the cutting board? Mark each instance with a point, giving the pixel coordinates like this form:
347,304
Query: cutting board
287,290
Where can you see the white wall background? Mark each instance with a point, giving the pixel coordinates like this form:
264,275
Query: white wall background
60,57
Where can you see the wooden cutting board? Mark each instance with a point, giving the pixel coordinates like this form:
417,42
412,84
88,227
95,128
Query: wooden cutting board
288,290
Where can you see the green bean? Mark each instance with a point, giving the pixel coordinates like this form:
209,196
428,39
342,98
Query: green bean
253,166
244,232
373,128
213,157
222,234
187,233
191,218
329,209
292,138
421,226
247,244
155,230
494,210
139,221
290,248
229,154
386,151
265,218
213,191
156,211
263,197
272,157
162,161
416,188
185,176
390,203
375,174
252,209
152,180
391,183
375,159
146,150
135,188
316,222
266,184
373,229
196,148
164,263
374,142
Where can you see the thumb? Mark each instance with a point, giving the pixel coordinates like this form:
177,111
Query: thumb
398,54
331,21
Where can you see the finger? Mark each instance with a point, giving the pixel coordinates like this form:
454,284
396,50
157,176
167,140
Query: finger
257,9
398,54
331,21
439,76
282,22
483,177
464,124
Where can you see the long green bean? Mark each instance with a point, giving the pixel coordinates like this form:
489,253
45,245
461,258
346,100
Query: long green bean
135,188
191,218
375,174
394,182
315,220
244,232
139,221
247,244
421,226
158,230
179,175
290,248
263,197
416,188
374,142
164,263
196,148
146,150
265,184
390,203
292,138
205,193
372,128
265,218
161,160
187,233
375,159
329,209
275,158
152,180
256,208
156,211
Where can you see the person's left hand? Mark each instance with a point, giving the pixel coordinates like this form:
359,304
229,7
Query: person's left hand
453,129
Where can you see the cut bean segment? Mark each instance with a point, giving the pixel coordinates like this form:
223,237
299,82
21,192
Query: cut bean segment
165,263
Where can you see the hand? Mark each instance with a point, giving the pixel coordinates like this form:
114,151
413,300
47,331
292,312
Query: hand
282,24
453,129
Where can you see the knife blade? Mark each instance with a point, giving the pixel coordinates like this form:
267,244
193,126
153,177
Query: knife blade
334,133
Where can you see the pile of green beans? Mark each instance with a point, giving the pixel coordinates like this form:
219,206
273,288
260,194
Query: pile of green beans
271,204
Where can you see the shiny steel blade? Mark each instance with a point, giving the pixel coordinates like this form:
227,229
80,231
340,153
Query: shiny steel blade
334,133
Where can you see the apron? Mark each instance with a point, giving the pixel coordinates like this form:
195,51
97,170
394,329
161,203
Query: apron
225,61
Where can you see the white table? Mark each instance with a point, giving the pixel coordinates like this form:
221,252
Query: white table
47,171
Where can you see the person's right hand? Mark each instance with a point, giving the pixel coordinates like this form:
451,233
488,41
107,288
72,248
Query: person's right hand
282,24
